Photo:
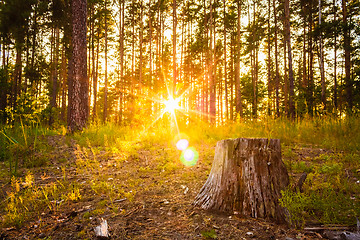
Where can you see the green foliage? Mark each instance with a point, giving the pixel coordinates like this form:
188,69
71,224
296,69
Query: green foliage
297,205
21,142
209,234
26,200
29,109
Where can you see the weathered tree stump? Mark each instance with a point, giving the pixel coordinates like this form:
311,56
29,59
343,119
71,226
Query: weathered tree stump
246,177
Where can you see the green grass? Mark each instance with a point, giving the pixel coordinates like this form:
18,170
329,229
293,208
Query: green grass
330,192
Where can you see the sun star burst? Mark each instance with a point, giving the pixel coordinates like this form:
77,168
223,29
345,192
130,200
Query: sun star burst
172,104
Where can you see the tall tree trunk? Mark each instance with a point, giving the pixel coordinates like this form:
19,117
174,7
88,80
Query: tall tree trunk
121,31
212,67
64,83
239,107
269,74
78,82
225,67
277,77
310,90
105,113
17,75
151,44
34,47
174,48
96,74
335,59
3,85
54,77
321,63
141,80
347,49
291,76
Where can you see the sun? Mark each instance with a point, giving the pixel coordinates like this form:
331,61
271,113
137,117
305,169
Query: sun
172,104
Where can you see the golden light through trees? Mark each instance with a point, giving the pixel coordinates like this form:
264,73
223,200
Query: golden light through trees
172,104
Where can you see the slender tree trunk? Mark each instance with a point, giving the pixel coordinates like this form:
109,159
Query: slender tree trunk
232,52
239,107
105,113
310,92
121,31
291,77
93,60
150,43
17,75
141,80
225,68
174,48
54,80
277,77
335,59
212,67
64,84
78,82
95,80
269,75
321,63
347,49
34,47
3,85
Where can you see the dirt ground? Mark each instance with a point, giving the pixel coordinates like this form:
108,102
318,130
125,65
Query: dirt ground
158,204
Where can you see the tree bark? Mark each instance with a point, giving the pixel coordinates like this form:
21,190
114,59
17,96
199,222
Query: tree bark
335,60
78,82
54,77
246,177
239,107
225,68
291,76
106,65
174,48
321,63
277,77
347,49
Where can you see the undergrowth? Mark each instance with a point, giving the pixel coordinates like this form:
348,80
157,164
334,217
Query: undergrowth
330,192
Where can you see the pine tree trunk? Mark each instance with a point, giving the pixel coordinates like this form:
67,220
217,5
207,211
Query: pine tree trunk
106,66
174,49
277,77
54,77
246,178
335,60
291,76
225,67
311,71
212,65
269,74
321,63
78,82
347,49
239,108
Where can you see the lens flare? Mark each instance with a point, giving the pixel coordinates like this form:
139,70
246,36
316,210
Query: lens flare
171,104
182,144
189,157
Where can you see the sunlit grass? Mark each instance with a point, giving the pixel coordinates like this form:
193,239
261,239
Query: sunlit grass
108,146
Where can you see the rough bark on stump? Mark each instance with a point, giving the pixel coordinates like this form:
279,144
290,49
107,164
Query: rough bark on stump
246,177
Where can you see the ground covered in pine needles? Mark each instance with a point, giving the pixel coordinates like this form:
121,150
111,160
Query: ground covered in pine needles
67,187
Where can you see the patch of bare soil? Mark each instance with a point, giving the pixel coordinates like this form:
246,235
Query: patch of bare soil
161,206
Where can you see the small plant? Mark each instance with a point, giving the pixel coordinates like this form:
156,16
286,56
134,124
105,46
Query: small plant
297,205
209,234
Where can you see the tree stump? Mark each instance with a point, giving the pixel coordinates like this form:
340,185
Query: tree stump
246,177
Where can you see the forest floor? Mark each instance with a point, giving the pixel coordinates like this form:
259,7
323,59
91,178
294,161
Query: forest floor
142,190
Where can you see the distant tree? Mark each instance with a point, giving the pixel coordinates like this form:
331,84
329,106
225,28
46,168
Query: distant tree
288,45
347,50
